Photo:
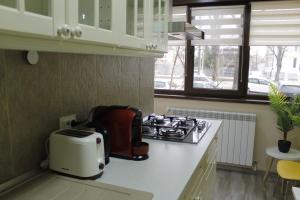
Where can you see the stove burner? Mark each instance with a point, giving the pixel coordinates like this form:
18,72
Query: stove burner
172,132
159,119
146,130
182,122
174,128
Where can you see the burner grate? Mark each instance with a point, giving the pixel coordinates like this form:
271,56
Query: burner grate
173,128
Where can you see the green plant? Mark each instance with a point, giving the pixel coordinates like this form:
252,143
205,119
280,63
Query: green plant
288,111
295,113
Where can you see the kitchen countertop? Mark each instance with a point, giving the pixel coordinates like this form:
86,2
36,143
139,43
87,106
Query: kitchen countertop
167,170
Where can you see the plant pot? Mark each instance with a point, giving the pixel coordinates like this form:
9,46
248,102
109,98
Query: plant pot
284,146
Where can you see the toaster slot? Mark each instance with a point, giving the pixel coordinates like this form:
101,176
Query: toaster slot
74,133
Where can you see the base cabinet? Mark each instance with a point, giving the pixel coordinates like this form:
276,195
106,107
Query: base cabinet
201,184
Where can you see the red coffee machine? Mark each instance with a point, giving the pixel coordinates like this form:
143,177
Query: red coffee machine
124,129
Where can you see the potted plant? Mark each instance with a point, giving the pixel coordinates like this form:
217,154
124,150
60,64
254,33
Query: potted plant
288,115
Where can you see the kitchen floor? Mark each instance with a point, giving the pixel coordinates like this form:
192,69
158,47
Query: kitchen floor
232,185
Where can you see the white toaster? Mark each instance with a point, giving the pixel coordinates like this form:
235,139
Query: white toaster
77,153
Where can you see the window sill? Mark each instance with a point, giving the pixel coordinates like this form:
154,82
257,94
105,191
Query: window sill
229,100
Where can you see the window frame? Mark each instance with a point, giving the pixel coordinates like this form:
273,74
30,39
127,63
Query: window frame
241,95
244,54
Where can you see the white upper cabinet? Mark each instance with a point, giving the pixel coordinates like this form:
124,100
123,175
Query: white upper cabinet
164,20
159,15
124,24
131,23
27,16
90,20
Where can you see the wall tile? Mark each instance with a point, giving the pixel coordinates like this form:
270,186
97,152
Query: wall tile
146,81
129,94
50,98
33,97
6,164
24,110
108,80
78,84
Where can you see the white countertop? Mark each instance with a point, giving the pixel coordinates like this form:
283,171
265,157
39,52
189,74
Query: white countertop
166,172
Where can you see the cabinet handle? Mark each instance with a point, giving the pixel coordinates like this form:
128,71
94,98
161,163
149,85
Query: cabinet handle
78,31
64,30
150,46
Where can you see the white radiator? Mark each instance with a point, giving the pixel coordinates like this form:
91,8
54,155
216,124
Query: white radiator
236,135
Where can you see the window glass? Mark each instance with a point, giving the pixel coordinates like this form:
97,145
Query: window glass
216,67
9,3
140,19
105,14
38,7
156,24
170,70
278,65
86,13
275,46
130,17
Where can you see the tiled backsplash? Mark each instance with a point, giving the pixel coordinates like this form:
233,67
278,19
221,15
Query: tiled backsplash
33,97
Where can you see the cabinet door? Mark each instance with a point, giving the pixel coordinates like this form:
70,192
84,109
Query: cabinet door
132,23
92,20
164,18
159,24
27,16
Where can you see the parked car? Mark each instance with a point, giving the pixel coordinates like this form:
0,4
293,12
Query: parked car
202,81
289,88
259,85
161,85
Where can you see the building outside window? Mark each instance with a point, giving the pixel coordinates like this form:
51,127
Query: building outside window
275,47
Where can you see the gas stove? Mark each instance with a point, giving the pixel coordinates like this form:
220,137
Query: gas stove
174,128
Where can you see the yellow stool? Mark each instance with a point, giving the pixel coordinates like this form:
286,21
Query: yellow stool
288,171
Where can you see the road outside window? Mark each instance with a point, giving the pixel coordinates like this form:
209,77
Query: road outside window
278,65
216,67
170,70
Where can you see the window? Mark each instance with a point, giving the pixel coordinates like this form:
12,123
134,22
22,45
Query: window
246,49
216,59
170,70
216,67
275,47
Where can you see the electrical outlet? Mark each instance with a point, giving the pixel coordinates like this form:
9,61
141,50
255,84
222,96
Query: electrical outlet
65,121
